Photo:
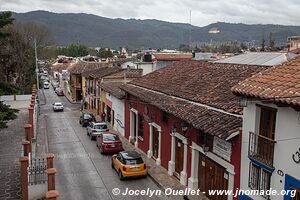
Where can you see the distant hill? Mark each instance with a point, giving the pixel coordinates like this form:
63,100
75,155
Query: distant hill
96,31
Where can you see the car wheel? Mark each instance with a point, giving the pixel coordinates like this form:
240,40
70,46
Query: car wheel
112,164
121,177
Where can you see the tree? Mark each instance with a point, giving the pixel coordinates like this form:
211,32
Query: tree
105,53
6,114
271,41
263,44
5,19
73,50
184,48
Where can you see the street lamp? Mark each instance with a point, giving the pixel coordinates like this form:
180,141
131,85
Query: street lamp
37,76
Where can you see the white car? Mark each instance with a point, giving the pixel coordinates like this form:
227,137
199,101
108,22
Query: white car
57,106
95,129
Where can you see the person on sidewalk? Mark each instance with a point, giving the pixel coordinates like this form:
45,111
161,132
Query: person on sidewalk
103,115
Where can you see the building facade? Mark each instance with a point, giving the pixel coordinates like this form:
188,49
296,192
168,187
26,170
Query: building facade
271,130
194,134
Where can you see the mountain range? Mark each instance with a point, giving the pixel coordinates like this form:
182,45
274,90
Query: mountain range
96,31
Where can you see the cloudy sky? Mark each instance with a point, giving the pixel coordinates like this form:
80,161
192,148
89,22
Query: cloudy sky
203,11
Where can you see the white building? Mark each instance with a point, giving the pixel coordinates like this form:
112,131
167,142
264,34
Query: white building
271,132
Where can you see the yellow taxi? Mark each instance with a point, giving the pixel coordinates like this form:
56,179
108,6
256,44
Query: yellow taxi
129,164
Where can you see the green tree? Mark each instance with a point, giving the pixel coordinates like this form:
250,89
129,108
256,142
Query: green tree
6,114
105,53
271,41
263,44
73,50
5,19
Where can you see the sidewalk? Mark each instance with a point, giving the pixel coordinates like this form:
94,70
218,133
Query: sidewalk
157,173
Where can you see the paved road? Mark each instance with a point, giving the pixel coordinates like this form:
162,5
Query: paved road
83,173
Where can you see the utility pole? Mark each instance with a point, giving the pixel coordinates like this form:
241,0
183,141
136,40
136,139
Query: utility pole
190,33
37,76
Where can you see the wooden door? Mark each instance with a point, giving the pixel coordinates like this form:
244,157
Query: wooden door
155,141
212,176
179,149
297,194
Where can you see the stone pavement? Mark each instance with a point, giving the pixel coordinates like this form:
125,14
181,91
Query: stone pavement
10,152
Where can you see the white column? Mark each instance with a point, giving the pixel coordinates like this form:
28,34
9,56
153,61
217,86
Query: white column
183,175
171,165
193,180
230,182
136,130
149,152
131,126
158,160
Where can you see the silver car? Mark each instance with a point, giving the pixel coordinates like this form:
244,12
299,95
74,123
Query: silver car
95,129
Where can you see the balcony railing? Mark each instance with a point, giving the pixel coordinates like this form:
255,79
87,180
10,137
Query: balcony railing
261,148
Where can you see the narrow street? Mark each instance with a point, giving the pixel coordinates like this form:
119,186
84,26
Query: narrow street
82,172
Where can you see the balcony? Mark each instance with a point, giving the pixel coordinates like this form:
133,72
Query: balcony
261,148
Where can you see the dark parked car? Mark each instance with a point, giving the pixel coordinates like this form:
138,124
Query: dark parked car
109,143
86,118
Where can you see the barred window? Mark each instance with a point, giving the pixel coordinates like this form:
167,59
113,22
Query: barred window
259,179
141,126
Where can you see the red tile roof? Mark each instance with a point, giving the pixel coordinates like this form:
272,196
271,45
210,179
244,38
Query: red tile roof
84,66
200,81
196,91
276,82
202,118
113,88
172,56
101,72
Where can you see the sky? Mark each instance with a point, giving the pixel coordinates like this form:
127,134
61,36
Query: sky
204,12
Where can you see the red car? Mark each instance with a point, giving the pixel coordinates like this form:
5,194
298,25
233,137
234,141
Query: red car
109,142
59,92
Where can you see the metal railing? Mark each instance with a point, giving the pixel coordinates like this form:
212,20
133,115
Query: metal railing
37,171
261,148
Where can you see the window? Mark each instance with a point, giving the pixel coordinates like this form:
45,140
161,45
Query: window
134,161
164,117
267,122
141,126
259,178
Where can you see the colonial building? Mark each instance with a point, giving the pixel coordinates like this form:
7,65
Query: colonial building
271,131
113,97
92,93
185,117
75,83
164,59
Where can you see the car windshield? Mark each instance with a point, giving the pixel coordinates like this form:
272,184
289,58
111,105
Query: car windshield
87,116
100,126
110,138
58,104
134,161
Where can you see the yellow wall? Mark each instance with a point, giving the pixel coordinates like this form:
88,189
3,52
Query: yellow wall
83,86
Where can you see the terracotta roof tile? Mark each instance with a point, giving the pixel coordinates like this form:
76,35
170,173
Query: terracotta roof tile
114,89
101,72
200,81
276,82
202,118
84,66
